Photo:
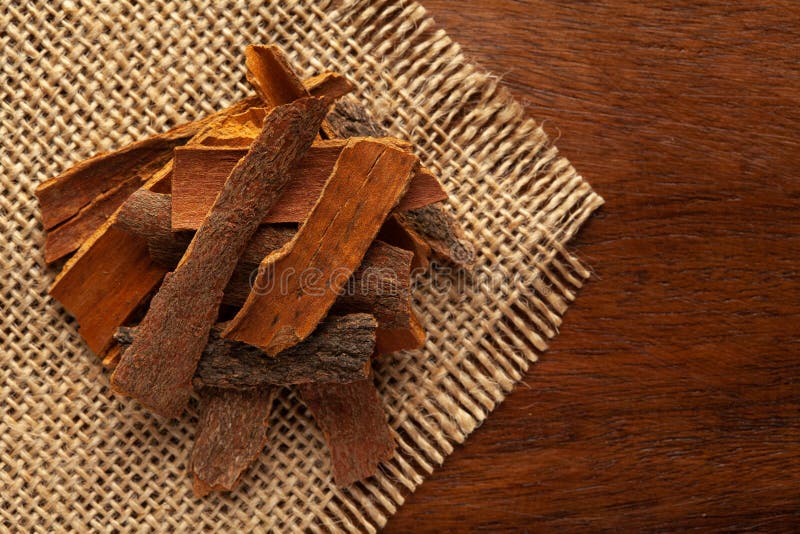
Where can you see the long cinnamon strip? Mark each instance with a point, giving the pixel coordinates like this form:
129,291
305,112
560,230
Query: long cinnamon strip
199,173
352,420
231,434
339,350
367,182
428,229
158,367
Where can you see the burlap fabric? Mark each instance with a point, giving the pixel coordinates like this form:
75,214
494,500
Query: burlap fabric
79,78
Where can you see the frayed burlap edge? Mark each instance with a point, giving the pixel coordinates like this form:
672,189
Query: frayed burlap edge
82,77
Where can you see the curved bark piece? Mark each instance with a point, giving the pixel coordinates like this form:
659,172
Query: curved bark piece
200,172
285,305
158,367
339,350
352,419
430,228
231,434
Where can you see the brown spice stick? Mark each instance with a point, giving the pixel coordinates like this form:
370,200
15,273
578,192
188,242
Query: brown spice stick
158,367
430,227
231,434
330,84
339,350
380,285
270,73
352,420
367,182
440,230
199,173
409,337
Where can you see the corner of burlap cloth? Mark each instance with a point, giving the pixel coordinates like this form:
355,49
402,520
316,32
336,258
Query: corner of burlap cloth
80,77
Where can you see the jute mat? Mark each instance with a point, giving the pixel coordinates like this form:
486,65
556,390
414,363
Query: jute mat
78,78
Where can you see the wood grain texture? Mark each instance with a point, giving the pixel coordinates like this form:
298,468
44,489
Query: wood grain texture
671,398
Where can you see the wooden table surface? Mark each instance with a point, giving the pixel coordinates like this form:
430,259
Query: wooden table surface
671,398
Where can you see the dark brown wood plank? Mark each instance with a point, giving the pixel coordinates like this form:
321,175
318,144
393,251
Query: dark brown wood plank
670,399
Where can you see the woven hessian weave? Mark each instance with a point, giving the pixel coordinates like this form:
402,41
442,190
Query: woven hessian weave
81,78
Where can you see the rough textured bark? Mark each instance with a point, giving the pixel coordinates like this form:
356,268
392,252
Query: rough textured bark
442,233
270,73
339,350
158,367
367,182
200,172
231,434
430,227
352,420
408,337
330,84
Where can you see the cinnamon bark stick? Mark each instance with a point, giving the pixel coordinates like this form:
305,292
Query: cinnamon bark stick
428,229
200,172
158,367
274,79
231,434
367,182
339,350
330,84
352,420
381,285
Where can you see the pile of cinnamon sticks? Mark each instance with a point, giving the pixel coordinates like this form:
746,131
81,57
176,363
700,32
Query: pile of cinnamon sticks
270,244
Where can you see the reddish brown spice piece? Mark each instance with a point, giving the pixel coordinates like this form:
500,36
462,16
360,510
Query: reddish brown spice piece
230,436
158,367
352,420
200,172
339,350
367,182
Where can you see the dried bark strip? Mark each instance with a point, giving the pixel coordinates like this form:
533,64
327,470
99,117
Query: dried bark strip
432,225
353,422
269,72
231,434
200,172
330,84
367,182
409,337
158,367
381,285
339,350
